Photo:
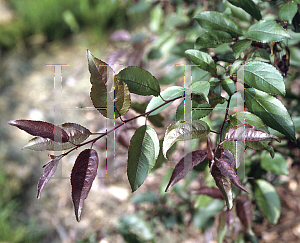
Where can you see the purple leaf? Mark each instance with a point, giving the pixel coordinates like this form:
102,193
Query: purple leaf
244,211
209,191
247,132
185,165
41,129
49,170
83,174
209,150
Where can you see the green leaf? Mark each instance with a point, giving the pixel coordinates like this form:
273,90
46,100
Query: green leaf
212,20
180,131
240,46
277,165
270,110
266,31
118,95
77,134
267,200
198,111
228,85
212,39
201,88
139,81
202,59
249,6
287,11
264,77
168,94
235,66
226,57
142,154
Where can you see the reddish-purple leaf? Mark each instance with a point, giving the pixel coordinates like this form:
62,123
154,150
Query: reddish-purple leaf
49,170
244,211
41,129
209,191
186,164
247,132
209,149
83,174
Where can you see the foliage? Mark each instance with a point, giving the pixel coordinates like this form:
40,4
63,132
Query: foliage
262,54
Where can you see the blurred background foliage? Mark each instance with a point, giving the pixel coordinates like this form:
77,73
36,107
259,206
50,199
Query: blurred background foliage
150,34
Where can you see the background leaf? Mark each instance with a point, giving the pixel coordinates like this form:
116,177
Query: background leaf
185,165
83,174
180,131
142,154
287,11
264,77
212,20
41,129
270,110
202,59
139,81
212,39
244,211
267,200
276,165
249,6
167,94
266,31
240,46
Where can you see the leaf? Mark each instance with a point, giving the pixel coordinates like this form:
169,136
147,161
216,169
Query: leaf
287,11
235,66
77,134
104,85
212,39
168,94
267,200
139,81
244,211
249,6
228,85
296,22
180,131
209,191
264,77
211,20
201,88
198,110
83,174
267,31
246,132
202,59
277,165
209,149
142,154
41,129
49,170
240,46
270,110
185,165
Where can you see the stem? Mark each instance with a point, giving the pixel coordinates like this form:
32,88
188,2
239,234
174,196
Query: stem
121,124
225,118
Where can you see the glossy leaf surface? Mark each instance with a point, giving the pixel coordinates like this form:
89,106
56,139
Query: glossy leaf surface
270,110
168,94
142,154
264,77
139,81
212,20
202,59
266,31
41,129
267,200
212,39
249,6
180,131
83,174
287,11
185,165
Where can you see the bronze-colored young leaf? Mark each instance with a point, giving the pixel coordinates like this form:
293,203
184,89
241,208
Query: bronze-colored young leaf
244,211
209,191
185,165
107,90
41,129
77,134
209,150
49,170
83,174
247,132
